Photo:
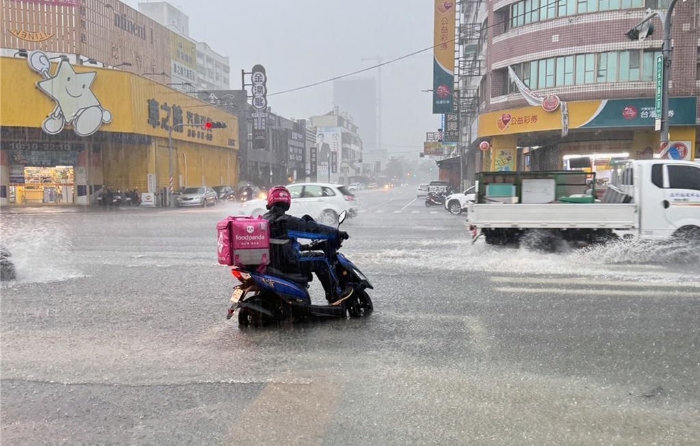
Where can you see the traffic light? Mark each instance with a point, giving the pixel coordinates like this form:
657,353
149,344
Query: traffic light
214,125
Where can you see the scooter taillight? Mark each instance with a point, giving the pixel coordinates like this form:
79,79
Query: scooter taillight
242,276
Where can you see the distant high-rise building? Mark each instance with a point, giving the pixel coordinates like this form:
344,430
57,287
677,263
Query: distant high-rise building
358,98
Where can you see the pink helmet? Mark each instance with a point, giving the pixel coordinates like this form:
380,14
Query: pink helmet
280,196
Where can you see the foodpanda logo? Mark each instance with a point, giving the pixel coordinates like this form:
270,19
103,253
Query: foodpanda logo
250,229
220,243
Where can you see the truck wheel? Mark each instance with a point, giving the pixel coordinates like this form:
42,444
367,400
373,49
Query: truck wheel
542,240
689,234
454,207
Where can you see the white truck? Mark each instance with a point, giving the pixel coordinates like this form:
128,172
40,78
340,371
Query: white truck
649,199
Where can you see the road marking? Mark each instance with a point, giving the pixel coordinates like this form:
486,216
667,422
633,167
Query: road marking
409,203
478,338
289,414
433,212
589,282
397,212
597,292
381,204
415,212
381,211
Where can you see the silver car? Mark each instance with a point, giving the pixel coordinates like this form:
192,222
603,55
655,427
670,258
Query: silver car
197,196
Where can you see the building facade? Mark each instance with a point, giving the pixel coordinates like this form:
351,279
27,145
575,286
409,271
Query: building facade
167,15
339,148
551,81
114,133
213,69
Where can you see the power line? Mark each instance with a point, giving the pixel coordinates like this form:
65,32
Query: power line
406,56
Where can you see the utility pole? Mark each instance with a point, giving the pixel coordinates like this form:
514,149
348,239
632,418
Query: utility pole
205,125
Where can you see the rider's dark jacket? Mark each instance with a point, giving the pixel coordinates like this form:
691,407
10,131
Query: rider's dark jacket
285,230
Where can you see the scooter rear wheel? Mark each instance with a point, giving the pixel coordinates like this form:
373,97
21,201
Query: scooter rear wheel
249,317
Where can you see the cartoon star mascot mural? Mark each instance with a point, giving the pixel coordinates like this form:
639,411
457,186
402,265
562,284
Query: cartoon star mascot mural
76,104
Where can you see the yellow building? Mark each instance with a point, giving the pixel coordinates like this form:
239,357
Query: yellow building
73,129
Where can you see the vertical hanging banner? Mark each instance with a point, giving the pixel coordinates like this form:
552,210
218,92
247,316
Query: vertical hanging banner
444,56
258,77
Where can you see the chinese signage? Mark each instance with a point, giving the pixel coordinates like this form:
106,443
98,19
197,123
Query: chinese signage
433,149
659,87
444,56
313,162
432,136
296,155
334,162
259,93
451,130
642,113
40,158
612,113
183,62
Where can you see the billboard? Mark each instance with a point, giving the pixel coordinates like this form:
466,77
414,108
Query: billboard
328,143
444,57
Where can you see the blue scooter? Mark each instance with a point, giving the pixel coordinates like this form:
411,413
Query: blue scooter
264,298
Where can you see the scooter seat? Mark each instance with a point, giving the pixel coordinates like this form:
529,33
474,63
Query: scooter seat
300,279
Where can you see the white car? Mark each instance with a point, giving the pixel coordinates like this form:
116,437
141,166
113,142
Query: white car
456,203
323,201
422,190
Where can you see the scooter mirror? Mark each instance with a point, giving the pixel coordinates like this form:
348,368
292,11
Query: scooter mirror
341,217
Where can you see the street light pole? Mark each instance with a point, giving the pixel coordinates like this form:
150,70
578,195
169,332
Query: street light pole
639,32
666,50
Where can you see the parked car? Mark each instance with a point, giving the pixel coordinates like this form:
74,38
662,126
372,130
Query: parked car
197,196
372,186
225,193
456,203
323,201
422,190
356,186
438,186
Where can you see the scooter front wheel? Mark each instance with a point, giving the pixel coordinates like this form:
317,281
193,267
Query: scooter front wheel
361,305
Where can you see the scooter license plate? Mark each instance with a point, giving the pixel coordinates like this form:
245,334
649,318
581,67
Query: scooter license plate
237,295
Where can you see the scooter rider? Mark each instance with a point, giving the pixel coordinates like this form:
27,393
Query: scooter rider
284,249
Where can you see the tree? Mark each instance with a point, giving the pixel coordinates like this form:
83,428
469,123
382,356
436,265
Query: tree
394,168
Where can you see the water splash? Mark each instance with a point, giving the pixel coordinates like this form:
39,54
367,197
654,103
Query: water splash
41,253
629,260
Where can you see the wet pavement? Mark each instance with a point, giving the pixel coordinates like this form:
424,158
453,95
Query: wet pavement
115,333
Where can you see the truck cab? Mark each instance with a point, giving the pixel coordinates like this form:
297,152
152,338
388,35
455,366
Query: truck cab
667,193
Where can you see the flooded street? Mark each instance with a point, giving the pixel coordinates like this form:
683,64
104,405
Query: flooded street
115,332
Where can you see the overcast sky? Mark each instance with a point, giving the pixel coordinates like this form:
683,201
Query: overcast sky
304,41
